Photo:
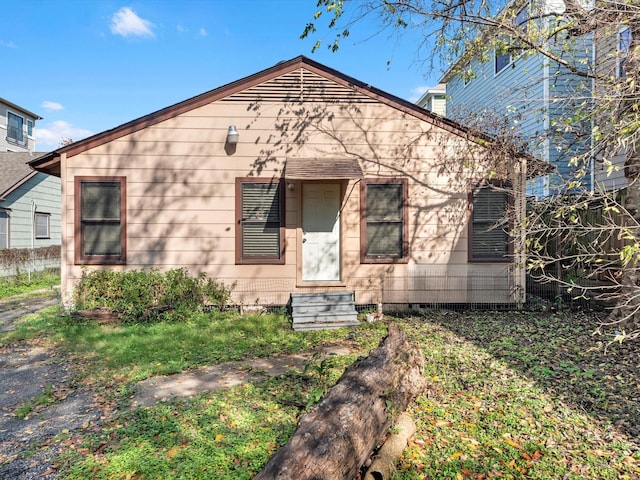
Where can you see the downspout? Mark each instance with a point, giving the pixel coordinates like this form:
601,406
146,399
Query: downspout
33,236
547,116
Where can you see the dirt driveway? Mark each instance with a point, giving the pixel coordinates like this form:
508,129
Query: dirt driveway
29,369
26,371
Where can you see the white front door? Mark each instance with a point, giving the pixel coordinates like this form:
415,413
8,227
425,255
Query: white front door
320,231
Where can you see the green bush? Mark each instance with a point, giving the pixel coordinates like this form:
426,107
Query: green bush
148,295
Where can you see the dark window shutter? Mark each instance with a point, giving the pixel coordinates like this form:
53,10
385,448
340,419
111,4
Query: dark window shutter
489,239
261,220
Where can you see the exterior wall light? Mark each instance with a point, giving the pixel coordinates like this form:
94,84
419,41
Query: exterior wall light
232,135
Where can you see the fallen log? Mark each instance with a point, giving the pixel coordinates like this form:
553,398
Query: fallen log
338,435
384,464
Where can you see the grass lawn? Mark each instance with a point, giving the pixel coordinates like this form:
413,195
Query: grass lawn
511,395
22,285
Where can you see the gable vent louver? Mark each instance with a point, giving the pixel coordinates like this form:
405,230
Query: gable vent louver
299,86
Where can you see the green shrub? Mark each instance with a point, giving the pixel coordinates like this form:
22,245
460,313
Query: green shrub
148,295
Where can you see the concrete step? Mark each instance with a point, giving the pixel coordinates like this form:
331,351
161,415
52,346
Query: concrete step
326,298
315,311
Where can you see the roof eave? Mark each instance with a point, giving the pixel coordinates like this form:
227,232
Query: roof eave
48,163
19,108
18,184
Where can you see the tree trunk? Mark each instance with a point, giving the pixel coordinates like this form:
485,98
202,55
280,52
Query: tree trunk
337,436
387,458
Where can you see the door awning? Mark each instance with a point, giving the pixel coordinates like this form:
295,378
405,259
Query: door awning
322,169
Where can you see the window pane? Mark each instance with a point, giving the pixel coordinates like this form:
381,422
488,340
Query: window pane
502,60
29,128
384,202
101,200
261,240
261,201
42,226
14,126
384,239
4,230
624,45
102,239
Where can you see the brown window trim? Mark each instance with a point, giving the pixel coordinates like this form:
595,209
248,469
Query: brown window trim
510,203
255,260
364,258
78,231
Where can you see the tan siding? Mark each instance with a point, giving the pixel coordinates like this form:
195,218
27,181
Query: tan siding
181,191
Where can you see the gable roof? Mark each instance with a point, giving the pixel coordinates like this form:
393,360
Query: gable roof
50,163
13,106
15,170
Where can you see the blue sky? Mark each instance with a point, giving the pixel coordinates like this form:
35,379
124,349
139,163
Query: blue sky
86,66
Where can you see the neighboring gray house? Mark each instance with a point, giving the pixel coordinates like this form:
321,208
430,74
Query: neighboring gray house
29,204
16,128
29,201
435,99
533,92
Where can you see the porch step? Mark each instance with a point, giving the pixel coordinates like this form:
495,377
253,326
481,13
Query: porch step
317,311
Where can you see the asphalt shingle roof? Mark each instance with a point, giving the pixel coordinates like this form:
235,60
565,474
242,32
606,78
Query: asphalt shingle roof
14,169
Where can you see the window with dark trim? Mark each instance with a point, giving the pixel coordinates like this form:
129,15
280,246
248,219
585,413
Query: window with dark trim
383,222
42,225
4,229
489,239
259,221
15,126
30,128
100,220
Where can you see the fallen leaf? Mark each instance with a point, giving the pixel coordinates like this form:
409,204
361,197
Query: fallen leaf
514,444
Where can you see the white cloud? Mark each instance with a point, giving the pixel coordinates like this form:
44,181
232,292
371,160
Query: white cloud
126,23
51,136
417,92
51,106
203,32
7,44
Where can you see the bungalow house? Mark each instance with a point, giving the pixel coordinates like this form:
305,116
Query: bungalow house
297,179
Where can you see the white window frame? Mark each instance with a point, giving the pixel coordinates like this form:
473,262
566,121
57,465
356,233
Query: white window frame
515,22
466,77
622,52
47,217
497,55
6,218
